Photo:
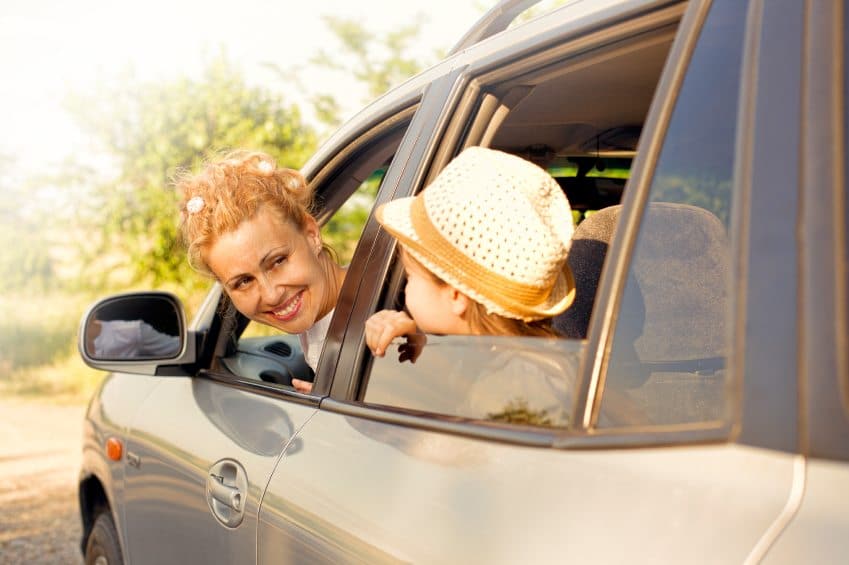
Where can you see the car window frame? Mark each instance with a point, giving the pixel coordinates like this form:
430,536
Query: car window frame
342,348
754,371
466,93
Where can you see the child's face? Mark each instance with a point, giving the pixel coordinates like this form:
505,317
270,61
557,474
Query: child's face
272,272
431,303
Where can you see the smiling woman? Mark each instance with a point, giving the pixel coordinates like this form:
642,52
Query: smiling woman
248,224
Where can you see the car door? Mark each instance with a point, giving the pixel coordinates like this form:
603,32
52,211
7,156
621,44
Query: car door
200,449
652,453
198,457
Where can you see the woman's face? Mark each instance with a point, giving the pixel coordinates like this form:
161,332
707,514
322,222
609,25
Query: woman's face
272,271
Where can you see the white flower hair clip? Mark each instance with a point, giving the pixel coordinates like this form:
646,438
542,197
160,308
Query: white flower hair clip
265,167
195,204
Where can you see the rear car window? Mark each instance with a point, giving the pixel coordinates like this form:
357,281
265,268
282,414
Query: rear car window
667,362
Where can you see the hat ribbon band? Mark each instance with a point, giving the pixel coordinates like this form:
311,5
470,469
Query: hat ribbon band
494,286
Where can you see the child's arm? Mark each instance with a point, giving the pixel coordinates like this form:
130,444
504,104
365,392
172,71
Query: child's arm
384,326
381,328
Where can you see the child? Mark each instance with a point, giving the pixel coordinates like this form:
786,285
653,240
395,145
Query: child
484,249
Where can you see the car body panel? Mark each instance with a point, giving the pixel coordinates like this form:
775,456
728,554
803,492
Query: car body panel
109,415
179,431
825,228
455,499
817,532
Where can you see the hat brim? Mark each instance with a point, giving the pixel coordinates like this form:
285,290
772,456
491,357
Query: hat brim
396,217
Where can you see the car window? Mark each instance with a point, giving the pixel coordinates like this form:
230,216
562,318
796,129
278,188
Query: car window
667,363
516,380
578,113
345,193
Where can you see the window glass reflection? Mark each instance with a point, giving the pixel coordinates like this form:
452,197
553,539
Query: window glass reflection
516,380
667,363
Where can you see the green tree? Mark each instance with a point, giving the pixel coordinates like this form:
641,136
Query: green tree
377,62
152,130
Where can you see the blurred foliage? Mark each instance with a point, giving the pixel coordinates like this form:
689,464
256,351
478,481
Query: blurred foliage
376,61
28,337
343,230
107,219
25,261
152,130
38,354
517,412
703,191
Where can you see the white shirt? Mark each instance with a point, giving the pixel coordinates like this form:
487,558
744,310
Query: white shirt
312,340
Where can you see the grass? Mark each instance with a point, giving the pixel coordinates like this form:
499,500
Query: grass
38,352
65,381
38,344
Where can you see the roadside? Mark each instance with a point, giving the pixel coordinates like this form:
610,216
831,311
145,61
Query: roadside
40,454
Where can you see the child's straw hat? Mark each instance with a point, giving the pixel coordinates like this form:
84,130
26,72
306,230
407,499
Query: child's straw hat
494,226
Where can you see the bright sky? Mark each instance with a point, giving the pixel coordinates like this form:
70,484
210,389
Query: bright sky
48,47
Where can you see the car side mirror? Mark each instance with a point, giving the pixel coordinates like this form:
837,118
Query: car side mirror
135,332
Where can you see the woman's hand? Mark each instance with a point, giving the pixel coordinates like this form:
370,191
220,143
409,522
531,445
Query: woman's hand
384,326
302,386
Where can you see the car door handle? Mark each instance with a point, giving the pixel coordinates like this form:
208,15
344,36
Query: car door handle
227,492
226,495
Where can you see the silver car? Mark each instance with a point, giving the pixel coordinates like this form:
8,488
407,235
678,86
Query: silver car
696,409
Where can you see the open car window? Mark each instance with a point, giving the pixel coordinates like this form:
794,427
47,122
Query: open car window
513,380
577,112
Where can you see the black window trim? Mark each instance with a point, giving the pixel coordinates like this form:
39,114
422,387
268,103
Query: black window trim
337,374
394,124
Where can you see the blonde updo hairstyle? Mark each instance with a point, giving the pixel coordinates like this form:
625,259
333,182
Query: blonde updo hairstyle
231,189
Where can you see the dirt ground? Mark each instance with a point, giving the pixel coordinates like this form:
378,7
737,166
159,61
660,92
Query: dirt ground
40,447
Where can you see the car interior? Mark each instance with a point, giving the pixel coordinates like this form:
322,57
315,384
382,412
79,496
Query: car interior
580,119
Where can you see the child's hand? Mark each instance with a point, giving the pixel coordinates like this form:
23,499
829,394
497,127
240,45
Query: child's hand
384,326
411,350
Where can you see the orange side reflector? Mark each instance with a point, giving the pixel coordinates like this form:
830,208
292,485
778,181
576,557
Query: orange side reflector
114,449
